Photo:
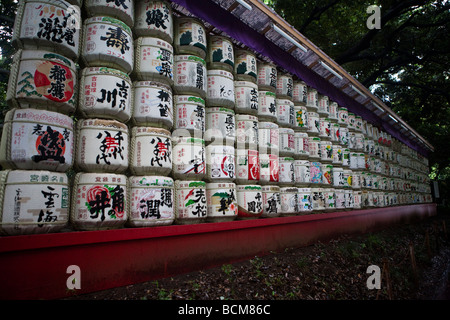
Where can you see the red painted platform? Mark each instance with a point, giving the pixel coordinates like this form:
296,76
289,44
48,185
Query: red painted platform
34,266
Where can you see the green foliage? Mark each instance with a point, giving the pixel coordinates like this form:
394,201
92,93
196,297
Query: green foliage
405,63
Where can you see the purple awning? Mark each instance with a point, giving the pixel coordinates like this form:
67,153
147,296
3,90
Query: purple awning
223,20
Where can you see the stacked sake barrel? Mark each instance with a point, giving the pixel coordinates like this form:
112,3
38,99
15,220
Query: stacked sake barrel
100,187
37,146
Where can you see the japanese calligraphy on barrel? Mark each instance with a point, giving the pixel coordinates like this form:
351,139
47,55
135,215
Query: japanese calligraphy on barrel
33,202
35,139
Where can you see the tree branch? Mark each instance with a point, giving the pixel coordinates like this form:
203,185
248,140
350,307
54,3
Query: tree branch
316,13
364,43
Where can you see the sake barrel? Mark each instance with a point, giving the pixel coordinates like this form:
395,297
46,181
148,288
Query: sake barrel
327,174
153,18
122,10
302,172
189,116
247,131
267,109
221,202
340,199
245,66
348,174
358,123
312,100
151,151
285,84
35,139
247,166
317,199
107,42
33,201
154,60
188,158
338,177
300,118
267,76
330,199
337,154
268,137
190,76
99,201
300,93
343,116
289,201
343,133
220,125
152,104
287,142
351,122
313,123
43,80
220,53
315,171
301,145
286,172
269,168
151,201
106,93
190,202
249,198
271,201
324,106
357,199
314,148
246,97
48,25
220,163
190,37
220,89
325,131
304,200
333,114
101,146
285,113
348,196
335,132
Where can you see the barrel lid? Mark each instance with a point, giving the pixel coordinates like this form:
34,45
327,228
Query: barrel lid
286,130
43,54
114,124
139,130
177,140
152,41
267,93
106,71
97,178
248,187
106,19
151,181
149,83
40,116
219,109
189,184
189,99
267,125
271,188
188,57
244,117
220,185
241,83
33,176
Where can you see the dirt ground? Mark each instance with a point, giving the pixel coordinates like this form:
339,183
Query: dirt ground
414,260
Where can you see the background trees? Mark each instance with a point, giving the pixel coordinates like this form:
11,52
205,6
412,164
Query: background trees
405,63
